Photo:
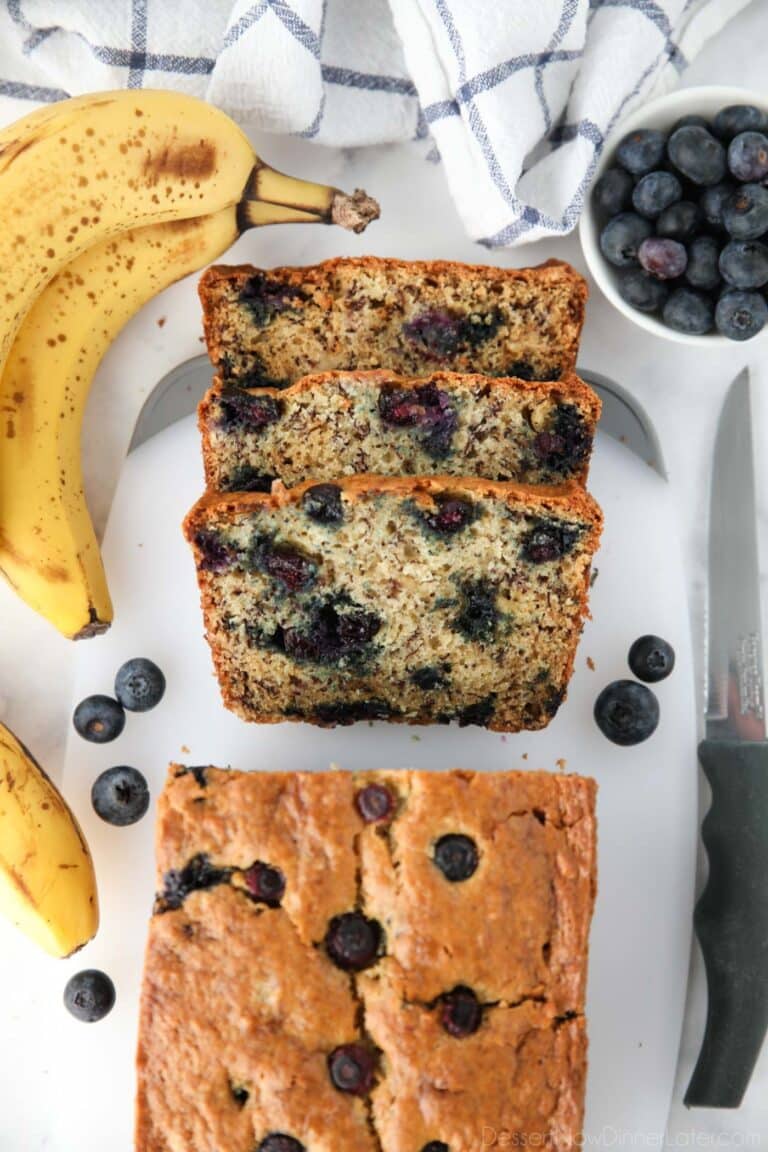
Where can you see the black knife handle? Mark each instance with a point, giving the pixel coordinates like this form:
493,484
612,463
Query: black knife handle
731,921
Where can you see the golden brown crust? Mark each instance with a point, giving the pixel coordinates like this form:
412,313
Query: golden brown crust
241,1005
498,390
319,280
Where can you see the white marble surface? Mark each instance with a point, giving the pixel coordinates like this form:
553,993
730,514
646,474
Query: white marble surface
681,388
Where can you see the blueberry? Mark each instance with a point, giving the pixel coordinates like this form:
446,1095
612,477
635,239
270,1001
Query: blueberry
736,118
216,555
246,478
450,515
642,291
99,719
375,802
651,659
426,408
689,311
566,443
243,409
353,942
435,1146
680,221
697,154
627,712
351,1068
197,874
690,121
641,151
480,713
120,795
139,684
349,711
703,270
279,1142
265,884
285,564
549,540
612,192
456,856
240,1094
713,200
655,192
461,1013
479,614
662,258
429,677
336,632
89,995
744,264
264,298
322,503
740,315
745,212
748,156
442,332
621,238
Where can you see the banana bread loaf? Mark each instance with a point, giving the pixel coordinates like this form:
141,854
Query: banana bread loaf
377,962
339,423
421,600
271,327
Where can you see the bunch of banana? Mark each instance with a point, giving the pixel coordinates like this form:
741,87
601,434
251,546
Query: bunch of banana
105,200
47,884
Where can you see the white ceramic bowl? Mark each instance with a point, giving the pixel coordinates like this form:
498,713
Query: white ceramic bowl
661,113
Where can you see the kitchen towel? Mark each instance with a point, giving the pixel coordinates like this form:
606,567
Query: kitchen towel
516,97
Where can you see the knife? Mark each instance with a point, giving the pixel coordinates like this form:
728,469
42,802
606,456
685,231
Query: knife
731,916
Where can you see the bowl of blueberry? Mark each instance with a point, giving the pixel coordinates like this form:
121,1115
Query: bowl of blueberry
675,231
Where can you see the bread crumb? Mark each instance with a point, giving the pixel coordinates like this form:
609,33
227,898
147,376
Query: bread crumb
160,321
590,664
416,739
593,577
525,755
185,750
561,763
503,739
201,339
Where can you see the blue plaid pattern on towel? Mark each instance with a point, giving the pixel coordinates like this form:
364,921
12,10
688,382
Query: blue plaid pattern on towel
517,96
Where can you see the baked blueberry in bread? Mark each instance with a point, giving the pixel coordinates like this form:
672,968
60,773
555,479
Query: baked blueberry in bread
367,962
339,423
268,328
421,600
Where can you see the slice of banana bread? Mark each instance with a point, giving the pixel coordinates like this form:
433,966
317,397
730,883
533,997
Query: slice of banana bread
339,423
367,962
420,600
271,327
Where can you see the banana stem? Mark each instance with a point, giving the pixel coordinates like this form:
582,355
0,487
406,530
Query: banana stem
271,197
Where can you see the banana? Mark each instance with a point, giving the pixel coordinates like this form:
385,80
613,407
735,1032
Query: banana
47,882
107,200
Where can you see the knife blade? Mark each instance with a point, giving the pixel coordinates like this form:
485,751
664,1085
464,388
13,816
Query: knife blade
731,916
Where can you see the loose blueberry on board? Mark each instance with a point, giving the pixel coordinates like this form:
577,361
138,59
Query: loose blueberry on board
626,712
703,271
662,258
279,1142
741,315
120,795
139,684
689,311
99,719
744,264
748,156
353,942
265,884
651,659
89,995
654,192
621,238
351,1068
641,151
461,1013
736,118
456,856
680,221
375,803
613,192
642,291
745,212
322,503
698,155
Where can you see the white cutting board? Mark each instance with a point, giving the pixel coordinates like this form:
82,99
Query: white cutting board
647,798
